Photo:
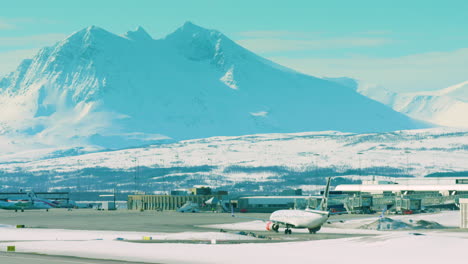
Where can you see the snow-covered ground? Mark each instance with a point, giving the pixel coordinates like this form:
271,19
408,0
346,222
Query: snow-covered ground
383,247
423,151
9,233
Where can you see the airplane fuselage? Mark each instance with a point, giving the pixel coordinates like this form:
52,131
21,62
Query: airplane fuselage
310,219
26,204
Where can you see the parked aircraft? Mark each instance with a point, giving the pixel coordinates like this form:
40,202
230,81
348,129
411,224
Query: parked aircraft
30,202
189,207
308,218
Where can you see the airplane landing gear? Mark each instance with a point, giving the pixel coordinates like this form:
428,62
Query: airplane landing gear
287,231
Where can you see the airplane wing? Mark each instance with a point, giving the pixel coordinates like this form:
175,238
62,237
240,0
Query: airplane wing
259,219
279,223
335,221
330,221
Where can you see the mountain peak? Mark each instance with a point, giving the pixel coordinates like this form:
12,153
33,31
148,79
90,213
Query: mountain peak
94,30
188,25
89,34
104,89
195,42
138,34
92,27
190,30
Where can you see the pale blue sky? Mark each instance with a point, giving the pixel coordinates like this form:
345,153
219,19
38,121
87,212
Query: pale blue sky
402,45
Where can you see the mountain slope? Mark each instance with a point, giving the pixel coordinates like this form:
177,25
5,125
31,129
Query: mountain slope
256,162
445,107
98,88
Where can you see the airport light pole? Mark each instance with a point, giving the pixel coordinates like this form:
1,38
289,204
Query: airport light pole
135,176
78,176
115,193
115,186
407,152
359,157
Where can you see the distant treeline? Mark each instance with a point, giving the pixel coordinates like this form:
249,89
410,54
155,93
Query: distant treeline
165,179
448,174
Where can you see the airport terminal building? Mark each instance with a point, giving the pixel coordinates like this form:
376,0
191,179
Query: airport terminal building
400,195
407,194
202,196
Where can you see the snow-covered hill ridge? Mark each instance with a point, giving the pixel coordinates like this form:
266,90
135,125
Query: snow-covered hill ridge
445,107
256,162
96,88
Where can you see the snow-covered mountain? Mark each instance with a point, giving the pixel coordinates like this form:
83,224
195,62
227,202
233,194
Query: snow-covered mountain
446,107
96,88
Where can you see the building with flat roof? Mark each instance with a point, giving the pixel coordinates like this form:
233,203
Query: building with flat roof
166,202
409,193
268,204
403,188
464,213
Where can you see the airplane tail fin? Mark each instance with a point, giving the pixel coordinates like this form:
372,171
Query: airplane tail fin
324,203
31,194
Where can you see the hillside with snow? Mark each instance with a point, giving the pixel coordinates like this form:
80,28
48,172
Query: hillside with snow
264,162
97,90
445,107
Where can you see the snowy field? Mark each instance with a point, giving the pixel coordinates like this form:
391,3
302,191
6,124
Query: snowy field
433,246
259,160
423,151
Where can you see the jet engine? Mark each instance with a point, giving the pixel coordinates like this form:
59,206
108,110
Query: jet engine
272,227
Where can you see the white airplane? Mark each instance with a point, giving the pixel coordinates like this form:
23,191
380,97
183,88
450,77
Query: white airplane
308,218
30,202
